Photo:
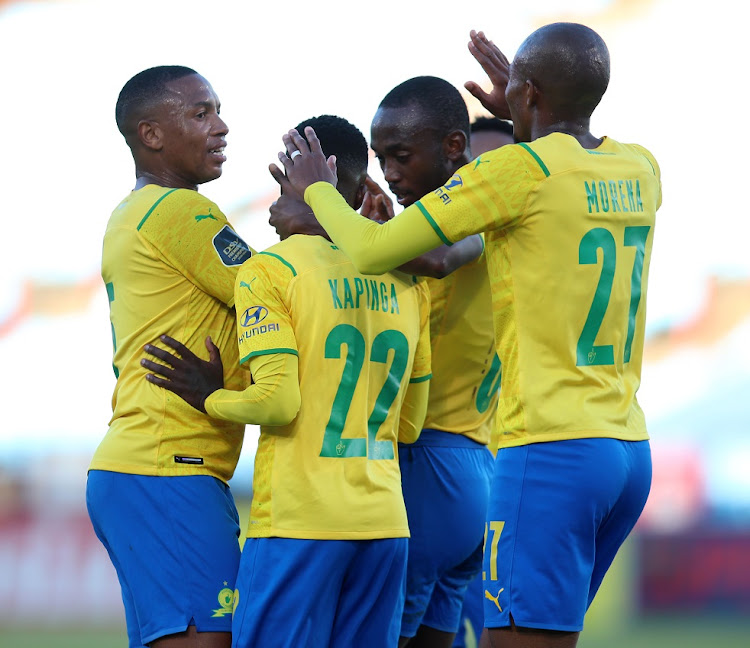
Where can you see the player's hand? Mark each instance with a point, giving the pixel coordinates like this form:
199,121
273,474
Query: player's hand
377,206
309,164
289,214
185,374
496,65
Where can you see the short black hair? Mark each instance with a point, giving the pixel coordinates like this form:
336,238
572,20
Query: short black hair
144,90
440,102
344,140
491,125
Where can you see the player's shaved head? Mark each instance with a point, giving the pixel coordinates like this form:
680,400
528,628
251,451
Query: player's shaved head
569,62
143,93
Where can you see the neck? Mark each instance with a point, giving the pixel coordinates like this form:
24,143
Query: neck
579,129
162,179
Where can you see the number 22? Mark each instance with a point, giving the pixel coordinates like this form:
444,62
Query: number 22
334,445
588,353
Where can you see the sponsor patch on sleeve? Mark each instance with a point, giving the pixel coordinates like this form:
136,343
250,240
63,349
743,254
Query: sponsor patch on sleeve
232,250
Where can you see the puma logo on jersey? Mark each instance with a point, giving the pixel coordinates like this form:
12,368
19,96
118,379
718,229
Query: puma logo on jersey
494,599
201,217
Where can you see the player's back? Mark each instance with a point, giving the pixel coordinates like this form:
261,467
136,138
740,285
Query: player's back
465,367
333,472
569,289
169,261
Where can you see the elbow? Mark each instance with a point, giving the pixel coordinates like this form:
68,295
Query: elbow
286,411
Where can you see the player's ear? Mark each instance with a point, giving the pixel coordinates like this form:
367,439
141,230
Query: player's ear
454,145
359,197
532,93
150,135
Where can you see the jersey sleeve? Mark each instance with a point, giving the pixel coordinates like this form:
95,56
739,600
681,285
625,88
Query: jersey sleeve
422,367
192,234
654,166
486,194
264,323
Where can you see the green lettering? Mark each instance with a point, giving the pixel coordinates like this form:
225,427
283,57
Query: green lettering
359,288
334,284
348,300
374,292
622,195
629,189
591,197
394,300
638,201
613,194
384,297
603,195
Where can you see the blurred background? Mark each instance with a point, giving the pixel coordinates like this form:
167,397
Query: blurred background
683,579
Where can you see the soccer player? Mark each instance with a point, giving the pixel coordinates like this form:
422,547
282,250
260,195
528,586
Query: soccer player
487,133
324,562
569,220
157,490
420,135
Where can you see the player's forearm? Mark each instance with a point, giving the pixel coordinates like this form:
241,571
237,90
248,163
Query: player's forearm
273,399
373,248
445,260
413,411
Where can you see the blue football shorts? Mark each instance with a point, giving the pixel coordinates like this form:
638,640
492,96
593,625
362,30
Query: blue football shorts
446,481
472,615
558,513
319,593
174,542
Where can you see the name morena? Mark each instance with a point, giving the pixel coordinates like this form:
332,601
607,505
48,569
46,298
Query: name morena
613,195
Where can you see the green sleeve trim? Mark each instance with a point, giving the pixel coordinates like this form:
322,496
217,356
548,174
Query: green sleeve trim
432,222
252,354
154,206
536,157
284,261
421,379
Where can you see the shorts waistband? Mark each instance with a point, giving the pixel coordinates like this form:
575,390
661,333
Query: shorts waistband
443,439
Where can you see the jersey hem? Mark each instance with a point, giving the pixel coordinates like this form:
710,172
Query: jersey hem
185,471
329,535
569,436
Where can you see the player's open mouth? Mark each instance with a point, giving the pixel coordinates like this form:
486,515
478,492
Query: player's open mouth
219,152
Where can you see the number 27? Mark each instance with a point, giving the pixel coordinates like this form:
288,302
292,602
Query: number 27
588,353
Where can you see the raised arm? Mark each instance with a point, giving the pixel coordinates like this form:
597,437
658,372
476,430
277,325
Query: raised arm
373,248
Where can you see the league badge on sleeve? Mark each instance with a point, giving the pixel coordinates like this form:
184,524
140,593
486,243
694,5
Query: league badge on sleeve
232,250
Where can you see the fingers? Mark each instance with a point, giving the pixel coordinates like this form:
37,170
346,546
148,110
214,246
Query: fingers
313,140
162,370
162,354
159,382
214,355
177,346
280,177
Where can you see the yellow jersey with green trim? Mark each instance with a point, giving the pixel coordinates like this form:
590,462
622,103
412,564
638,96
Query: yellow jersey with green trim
569,234
333,472
465,367
169,263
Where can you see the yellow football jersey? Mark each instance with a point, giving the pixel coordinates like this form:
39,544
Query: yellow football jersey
333,472
569,233
465,367
169,262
